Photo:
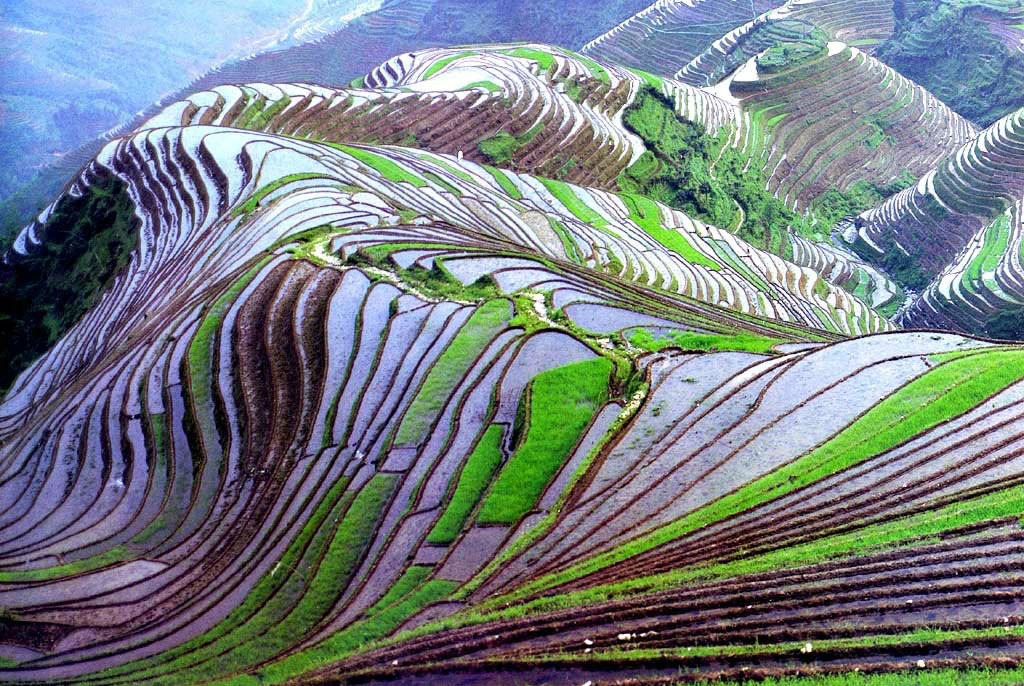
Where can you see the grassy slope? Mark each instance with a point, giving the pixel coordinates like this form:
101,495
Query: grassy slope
938,396
562,403
450,369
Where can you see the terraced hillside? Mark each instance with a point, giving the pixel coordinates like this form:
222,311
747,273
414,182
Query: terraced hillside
967,52
669,34
276,220
835,132
532,108
535,108
818,117
831,120
438,378
340,426
954,227
980,290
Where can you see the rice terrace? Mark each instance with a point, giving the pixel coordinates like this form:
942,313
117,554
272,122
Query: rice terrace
528,343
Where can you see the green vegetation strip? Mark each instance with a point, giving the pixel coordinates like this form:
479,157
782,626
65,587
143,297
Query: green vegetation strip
506,183
655,82
256,198
379,622
920,529
386,167
646,214
938,396
257,612
919,677
562,404
453,364
502,146
480,467
172,511
444,62
543,59
688,340
997,238
566,195
927,635
201,358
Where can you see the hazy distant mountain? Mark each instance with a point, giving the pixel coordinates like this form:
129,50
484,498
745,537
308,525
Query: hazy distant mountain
72,70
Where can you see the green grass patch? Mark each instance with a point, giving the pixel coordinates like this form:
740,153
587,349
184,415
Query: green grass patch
450,368
489,86
502,146
384,166
655,82
263,118
704,342
645,213
256,198
938,396
568,244
506,183
996,241
561,403
926,635
169,513
543,59
834,204
480,468
201,352
565,194
599,72
339,564
377,625
444,62
788,54
411,579
113,556
499,148
918,529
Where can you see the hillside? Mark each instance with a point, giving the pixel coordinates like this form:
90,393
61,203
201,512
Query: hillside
693,357
952,234
530,107
553,113
319,52
967,52
838,118
837,132
364,360
670,34
820,113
